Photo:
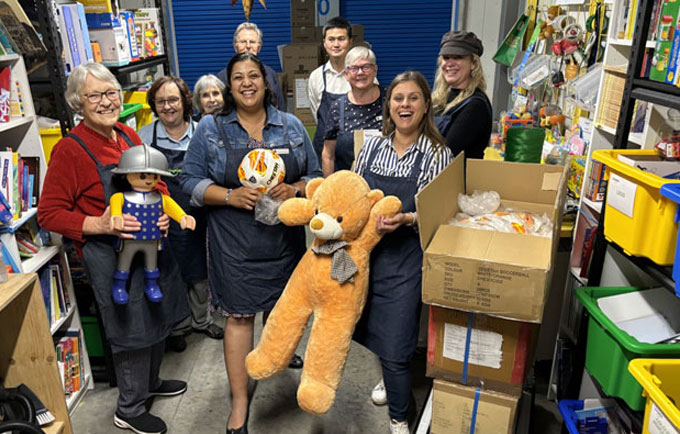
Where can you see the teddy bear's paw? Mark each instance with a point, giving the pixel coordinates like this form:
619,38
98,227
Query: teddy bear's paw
387,206
315,397
259,365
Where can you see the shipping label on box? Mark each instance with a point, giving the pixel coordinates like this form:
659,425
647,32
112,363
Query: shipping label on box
500,352
301,106
454,409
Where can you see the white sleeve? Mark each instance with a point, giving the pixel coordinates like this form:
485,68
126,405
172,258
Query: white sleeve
314,90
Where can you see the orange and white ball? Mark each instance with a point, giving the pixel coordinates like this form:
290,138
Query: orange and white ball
261,169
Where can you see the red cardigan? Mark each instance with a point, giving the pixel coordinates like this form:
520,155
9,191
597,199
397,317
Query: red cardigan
72,189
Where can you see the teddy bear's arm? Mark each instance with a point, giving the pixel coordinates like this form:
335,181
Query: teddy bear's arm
388,206
296,212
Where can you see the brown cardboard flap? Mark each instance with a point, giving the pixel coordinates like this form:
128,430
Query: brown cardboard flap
438,201
551,181
513,181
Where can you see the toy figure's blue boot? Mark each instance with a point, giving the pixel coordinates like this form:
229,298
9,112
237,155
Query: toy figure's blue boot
118,292
151,289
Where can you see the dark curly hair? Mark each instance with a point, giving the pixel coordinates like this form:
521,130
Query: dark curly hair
184,92
229,103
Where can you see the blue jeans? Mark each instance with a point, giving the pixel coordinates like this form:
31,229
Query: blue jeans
397,377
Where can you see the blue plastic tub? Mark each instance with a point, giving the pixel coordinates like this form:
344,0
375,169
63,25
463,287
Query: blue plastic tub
672,191
567,408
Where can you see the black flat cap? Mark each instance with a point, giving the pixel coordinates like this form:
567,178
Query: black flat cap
460,43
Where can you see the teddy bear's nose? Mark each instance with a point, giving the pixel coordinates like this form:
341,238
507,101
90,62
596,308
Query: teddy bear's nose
316,224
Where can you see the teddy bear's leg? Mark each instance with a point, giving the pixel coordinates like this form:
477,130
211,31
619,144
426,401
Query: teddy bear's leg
326,354
283,331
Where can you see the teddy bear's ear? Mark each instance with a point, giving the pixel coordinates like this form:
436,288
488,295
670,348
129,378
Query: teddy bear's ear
312,186
374,196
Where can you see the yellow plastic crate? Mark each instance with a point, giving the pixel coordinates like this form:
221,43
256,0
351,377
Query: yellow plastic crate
638,218
143,116
661,385
49,138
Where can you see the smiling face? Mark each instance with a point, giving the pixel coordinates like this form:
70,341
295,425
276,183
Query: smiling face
169,106
143,182
102,115
336,43
247,85
407,107
361,74
211,100
457,70
248,41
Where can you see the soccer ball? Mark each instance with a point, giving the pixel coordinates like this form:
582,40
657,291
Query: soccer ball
261,169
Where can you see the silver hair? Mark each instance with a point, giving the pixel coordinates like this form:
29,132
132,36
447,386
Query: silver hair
76,82
205,82
358,53
248,26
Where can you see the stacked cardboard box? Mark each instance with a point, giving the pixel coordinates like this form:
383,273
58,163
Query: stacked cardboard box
486,291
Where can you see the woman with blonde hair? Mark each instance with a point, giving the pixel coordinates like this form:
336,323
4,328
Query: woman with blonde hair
460,103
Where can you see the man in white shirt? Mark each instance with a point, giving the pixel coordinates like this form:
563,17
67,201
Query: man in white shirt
328,82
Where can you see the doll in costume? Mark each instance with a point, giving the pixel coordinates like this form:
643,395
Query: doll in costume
143,166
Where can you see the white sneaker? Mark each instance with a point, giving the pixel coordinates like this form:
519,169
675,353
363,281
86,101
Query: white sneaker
398,427
379,395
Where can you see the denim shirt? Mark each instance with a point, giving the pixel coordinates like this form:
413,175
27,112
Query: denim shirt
205,161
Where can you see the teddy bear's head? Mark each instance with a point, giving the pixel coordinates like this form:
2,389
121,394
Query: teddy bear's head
336,208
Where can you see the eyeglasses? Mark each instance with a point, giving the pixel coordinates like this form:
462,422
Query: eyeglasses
96,97
170,101
247,42
365,68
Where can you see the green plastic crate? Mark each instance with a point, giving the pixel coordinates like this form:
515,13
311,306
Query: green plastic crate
127,114
609,349
93,337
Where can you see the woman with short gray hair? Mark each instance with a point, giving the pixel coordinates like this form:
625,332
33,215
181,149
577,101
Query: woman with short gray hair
74,203
208,97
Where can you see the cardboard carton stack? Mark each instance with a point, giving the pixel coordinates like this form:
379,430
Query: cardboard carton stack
486,291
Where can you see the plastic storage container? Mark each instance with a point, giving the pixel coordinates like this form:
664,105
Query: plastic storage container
609,349
127,114
661,381
144,115
93,337
567,408
583,90
49,138
637,217
672,191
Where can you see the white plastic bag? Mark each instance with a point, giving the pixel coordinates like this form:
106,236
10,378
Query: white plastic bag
479,202
267,210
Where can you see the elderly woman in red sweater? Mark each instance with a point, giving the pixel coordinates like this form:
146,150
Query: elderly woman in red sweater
74,203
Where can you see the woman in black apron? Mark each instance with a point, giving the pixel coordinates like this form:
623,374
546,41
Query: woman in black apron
359,109
249,263
77,187
463,109
401,163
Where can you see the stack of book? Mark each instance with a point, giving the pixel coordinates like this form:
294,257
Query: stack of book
57,299
70,364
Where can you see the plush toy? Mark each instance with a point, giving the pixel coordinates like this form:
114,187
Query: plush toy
331,282
546,28
142,166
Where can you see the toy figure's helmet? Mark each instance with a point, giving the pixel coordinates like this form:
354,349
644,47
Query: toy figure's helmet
142,159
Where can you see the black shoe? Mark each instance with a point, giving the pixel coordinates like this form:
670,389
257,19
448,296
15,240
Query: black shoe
175,343
170,388
242,430
295,362
212,331
145,423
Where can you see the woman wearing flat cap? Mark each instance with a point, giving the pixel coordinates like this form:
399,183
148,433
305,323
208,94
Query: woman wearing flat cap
460,103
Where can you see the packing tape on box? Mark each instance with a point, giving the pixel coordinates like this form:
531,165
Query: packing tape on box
473,419
471,320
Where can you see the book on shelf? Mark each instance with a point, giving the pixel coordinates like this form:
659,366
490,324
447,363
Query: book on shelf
18,185
5,93
55,295
6,41
630,22
69,352
16,107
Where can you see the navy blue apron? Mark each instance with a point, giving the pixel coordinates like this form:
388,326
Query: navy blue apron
251,262
344,146
139,324
323,115
389,323
188,247
444,121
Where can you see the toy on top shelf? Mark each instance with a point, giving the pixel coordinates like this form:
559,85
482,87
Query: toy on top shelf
142,166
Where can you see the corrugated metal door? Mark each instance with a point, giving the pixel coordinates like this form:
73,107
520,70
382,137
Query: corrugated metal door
405,34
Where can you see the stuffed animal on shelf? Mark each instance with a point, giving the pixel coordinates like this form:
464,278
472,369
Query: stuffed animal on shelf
142,166
331,282
546,27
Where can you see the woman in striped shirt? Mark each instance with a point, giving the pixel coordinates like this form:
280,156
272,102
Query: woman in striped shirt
411,153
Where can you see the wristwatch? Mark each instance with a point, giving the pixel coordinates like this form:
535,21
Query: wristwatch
298,192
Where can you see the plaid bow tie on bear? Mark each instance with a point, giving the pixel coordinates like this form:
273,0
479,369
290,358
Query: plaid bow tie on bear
343,267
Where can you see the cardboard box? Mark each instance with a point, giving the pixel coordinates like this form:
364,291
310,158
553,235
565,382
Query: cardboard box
500,351
453,406
357,33
127,21
501,274
101,14
300,59
301,107
113,44
148,32
302,13
305,35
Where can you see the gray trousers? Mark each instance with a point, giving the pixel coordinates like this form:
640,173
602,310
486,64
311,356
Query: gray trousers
198,295
137,373
130,249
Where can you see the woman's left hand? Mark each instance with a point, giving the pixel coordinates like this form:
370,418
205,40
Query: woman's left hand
386,225
164,224
283,191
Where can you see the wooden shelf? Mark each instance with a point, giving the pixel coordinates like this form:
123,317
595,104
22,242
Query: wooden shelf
55,427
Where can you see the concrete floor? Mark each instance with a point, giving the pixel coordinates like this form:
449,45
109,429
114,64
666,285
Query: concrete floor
204,408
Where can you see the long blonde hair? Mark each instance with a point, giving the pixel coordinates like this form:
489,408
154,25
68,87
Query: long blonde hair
440,93
427,125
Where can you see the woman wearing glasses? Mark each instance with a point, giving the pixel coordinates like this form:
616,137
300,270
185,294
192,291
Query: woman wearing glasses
360,109
170,100
74,200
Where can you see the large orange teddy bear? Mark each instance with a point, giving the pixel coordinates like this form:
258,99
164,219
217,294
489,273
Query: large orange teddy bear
331,281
